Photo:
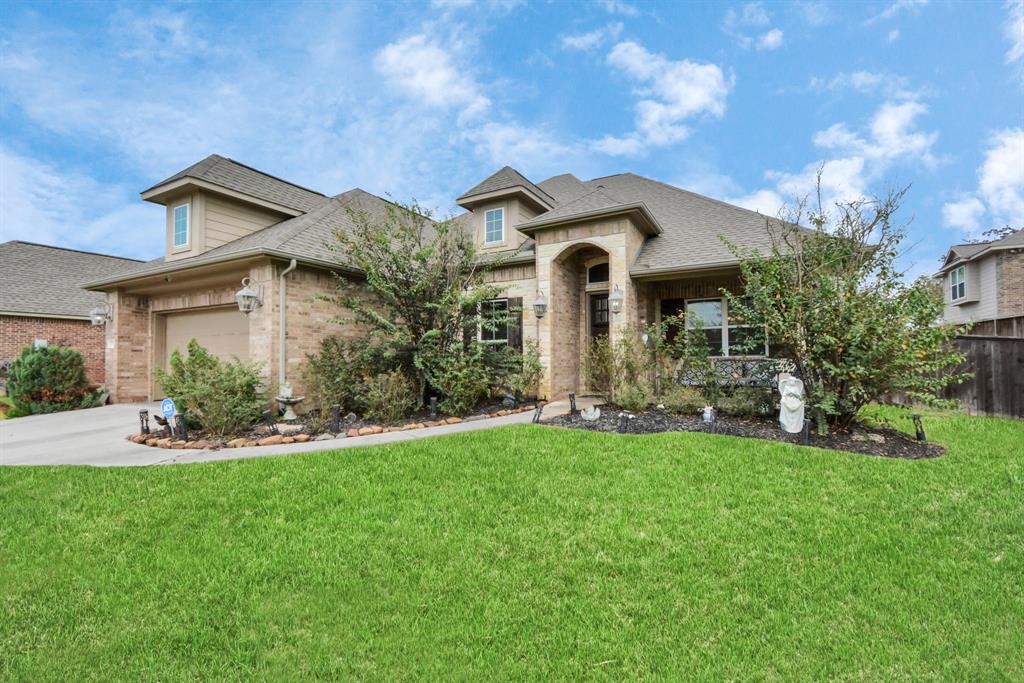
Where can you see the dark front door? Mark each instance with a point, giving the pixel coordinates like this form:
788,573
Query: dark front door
598,316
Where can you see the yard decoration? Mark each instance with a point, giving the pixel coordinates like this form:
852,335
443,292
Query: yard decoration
791,405
590,413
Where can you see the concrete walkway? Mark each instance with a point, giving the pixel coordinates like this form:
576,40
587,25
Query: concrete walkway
97,437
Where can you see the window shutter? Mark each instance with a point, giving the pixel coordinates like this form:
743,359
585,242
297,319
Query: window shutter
515,323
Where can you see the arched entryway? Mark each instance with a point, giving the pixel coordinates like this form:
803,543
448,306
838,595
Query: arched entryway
579,312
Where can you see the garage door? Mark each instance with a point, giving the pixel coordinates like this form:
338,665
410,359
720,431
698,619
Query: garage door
223,331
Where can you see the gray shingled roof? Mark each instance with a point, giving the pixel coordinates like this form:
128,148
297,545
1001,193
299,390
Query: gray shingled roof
233,175
966,252
692,224
43,280
564,188
504,179
304,237
595,200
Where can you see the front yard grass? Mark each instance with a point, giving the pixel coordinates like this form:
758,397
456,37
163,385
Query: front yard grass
523,553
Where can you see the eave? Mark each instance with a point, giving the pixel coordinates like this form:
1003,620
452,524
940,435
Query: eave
540,203
161,194
646,220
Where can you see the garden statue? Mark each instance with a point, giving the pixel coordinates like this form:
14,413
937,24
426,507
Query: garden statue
791,409
288,401
590,413
709,414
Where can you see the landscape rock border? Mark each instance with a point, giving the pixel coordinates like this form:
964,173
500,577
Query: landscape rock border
293,433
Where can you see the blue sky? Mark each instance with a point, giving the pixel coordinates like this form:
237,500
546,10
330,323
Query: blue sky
740,101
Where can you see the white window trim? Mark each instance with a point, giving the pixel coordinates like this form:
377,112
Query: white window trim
962,270
480,328
188,227
497,241
724,327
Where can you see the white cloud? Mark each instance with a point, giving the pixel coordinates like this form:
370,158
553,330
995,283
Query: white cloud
999,198
592,39
426,72
868,83
619,7
893,35
770,40
767,202
898,7
156,34
1001,177
814,13
1013,30
671,92
751,17
964,214
40,202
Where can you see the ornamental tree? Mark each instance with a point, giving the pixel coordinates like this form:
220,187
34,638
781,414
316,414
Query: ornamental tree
833,301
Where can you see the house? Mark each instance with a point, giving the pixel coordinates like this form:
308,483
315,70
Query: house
606,255
983,283
41,301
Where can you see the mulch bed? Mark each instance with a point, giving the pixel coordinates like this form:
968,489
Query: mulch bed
883,442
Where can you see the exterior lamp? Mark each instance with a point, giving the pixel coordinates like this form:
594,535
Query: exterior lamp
615,300
248,298
540,305
100,315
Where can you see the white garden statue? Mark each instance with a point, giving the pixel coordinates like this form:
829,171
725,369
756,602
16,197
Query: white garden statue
791,410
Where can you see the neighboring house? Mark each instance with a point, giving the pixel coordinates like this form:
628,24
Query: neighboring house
583,246
984,284
42,301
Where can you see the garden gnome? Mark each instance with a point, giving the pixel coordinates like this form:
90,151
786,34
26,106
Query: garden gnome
791,410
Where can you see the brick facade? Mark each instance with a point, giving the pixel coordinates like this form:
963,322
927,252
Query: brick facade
17,332
1010,283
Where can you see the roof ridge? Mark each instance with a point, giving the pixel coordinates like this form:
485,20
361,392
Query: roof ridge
77,251
269,175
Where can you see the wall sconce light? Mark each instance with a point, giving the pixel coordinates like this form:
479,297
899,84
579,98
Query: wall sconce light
248,299
615,300
100,315
540,305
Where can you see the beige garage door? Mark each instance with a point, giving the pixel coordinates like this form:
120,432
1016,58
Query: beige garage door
224,331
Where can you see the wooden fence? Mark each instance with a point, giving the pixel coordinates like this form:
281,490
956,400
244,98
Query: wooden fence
998,384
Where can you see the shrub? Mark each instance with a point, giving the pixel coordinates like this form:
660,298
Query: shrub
748,401
682,400
461,374
331,377
633,397
612,369
49,379
390,396
525,381
220,397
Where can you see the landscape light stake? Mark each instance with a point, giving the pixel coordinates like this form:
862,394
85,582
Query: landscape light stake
179,427
919,427
572,404
805,433
536,415
433,407
268,418
335,418
623,423
144,421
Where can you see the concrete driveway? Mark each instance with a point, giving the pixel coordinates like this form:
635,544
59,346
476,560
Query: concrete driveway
97,437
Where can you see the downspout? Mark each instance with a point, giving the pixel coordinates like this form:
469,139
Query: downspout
281,357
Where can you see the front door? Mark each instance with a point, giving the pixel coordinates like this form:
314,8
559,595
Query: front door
598,316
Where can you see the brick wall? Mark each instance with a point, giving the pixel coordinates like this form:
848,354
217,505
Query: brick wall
1011,283
17,332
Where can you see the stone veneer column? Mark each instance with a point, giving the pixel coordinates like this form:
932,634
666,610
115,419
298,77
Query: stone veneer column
128,348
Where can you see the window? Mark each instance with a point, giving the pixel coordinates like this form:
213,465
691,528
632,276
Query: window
495,310
181,225
494,226
957,283
597,273
724,333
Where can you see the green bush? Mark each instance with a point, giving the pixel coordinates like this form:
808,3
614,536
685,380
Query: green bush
220,397
528,371
461,374
748,401
390,396
331,376
682,399
633,397
48,380
616,369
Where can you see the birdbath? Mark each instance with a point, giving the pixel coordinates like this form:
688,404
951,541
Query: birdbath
287,400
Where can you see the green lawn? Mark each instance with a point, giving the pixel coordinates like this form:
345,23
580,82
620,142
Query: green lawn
525,553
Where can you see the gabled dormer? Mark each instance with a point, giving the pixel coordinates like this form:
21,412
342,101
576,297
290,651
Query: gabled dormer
501,202
219,200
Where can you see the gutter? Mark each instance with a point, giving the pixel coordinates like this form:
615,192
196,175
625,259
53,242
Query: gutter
669,270
620,209
185,264
47,316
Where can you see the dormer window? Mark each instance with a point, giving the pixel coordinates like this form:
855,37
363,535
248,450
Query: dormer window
181,226
494,226
957,283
